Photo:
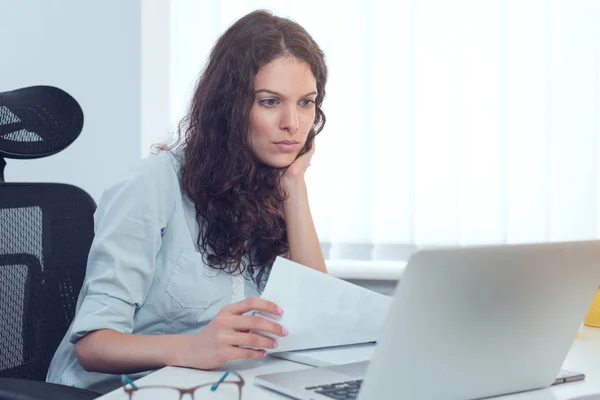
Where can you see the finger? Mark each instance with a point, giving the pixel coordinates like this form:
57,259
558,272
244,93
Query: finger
252,340
240,353
256,323
253,304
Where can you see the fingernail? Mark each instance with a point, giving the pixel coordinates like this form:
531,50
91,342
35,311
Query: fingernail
280,310
275,344
264,354
284,332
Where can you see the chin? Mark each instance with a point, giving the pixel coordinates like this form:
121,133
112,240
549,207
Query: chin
279,162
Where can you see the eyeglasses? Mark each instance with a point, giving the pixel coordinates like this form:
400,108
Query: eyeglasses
227,390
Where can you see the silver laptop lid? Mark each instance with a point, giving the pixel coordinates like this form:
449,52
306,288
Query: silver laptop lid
481,321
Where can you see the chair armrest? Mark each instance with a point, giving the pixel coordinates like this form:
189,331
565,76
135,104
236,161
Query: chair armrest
24,389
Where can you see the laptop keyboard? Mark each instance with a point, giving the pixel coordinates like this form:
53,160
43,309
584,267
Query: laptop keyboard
339,391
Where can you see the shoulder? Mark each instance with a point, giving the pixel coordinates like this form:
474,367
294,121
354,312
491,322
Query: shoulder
162,168
157,171
153,181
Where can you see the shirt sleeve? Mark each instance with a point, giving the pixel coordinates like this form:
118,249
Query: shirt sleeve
121,262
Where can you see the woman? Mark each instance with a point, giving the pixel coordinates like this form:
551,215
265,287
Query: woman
183,245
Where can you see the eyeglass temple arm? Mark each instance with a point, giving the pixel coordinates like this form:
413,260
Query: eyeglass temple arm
216,385
127,380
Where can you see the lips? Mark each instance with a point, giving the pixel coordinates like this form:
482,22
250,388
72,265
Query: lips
287,146
287,142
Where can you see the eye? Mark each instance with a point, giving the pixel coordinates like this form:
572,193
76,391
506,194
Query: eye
307,103
269,103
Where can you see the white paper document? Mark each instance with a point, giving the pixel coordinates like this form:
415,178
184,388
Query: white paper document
321,310
328,356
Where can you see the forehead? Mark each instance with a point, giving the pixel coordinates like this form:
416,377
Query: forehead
286,75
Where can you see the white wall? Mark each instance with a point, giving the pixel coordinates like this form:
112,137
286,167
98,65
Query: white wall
92,50
156,100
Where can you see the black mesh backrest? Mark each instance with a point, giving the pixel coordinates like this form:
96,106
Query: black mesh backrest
45,235
38,121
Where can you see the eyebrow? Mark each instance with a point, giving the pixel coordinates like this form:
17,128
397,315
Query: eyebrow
280,95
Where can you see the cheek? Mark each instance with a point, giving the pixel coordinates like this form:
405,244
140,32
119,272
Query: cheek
261,124
307,122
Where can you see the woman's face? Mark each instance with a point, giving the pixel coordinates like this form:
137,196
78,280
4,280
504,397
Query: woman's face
283,111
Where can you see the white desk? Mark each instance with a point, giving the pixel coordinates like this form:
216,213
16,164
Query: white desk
583,357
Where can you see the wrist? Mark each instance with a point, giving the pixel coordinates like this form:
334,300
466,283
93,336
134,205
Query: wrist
177,350
293,184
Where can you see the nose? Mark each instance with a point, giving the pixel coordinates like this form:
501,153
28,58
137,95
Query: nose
289,119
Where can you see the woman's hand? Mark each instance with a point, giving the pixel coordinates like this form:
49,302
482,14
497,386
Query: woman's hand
295,172
304,246
225,336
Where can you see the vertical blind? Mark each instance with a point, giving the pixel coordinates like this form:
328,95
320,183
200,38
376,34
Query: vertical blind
449,122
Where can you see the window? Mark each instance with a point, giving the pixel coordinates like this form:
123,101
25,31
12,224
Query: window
449,122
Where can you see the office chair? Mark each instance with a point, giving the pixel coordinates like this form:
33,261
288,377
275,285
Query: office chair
46,230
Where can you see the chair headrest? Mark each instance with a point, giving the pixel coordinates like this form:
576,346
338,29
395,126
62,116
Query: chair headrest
38,121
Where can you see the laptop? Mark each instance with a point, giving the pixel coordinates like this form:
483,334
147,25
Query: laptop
468,323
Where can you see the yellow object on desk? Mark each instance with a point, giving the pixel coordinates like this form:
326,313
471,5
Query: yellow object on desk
593,316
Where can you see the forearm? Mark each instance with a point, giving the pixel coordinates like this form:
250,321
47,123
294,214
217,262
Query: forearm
114,352
302,235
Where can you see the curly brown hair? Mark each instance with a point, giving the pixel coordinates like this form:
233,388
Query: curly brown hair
238,199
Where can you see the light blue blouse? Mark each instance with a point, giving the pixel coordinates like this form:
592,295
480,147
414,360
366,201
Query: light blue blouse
144,274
